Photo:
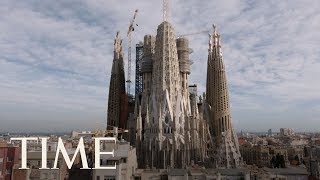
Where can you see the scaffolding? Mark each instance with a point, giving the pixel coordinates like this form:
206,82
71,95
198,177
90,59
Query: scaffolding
139,56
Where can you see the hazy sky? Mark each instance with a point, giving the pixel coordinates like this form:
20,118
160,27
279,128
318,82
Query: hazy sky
56,56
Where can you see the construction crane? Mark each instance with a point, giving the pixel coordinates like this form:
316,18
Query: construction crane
194,33
131,28
190,34
165,9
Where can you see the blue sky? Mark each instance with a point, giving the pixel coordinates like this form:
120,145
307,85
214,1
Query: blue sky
55,58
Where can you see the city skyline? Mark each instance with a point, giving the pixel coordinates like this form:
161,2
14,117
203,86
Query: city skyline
56,59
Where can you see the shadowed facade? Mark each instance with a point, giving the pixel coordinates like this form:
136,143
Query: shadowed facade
118,100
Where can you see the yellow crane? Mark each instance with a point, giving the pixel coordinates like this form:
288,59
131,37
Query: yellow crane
130,30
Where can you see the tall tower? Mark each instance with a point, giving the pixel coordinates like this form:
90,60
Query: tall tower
117,103
165,74
168,131
184,63
146,70
164,109
142,113
226,149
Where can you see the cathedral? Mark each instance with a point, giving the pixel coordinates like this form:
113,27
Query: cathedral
171,126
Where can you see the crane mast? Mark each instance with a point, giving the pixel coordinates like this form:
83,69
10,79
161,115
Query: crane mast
131,28
165,9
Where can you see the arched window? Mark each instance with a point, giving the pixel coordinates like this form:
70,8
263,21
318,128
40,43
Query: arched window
166,120
222,120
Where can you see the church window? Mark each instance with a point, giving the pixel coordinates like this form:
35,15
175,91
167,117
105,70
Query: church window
166,119
222,123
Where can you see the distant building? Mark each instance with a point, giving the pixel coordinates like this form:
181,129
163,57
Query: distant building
295,155
75,134
286,132
298,142
255,155
264,156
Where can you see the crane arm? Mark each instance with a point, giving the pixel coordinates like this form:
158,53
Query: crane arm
131,28
199,32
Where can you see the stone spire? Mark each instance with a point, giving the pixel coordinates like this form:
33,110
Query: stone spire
146,70
166,95
226,143
166,65
117,104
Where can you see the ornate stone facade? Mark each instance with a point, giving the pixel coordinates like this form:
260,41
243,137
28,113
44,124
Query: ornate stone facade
169,131
174,128
225,142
